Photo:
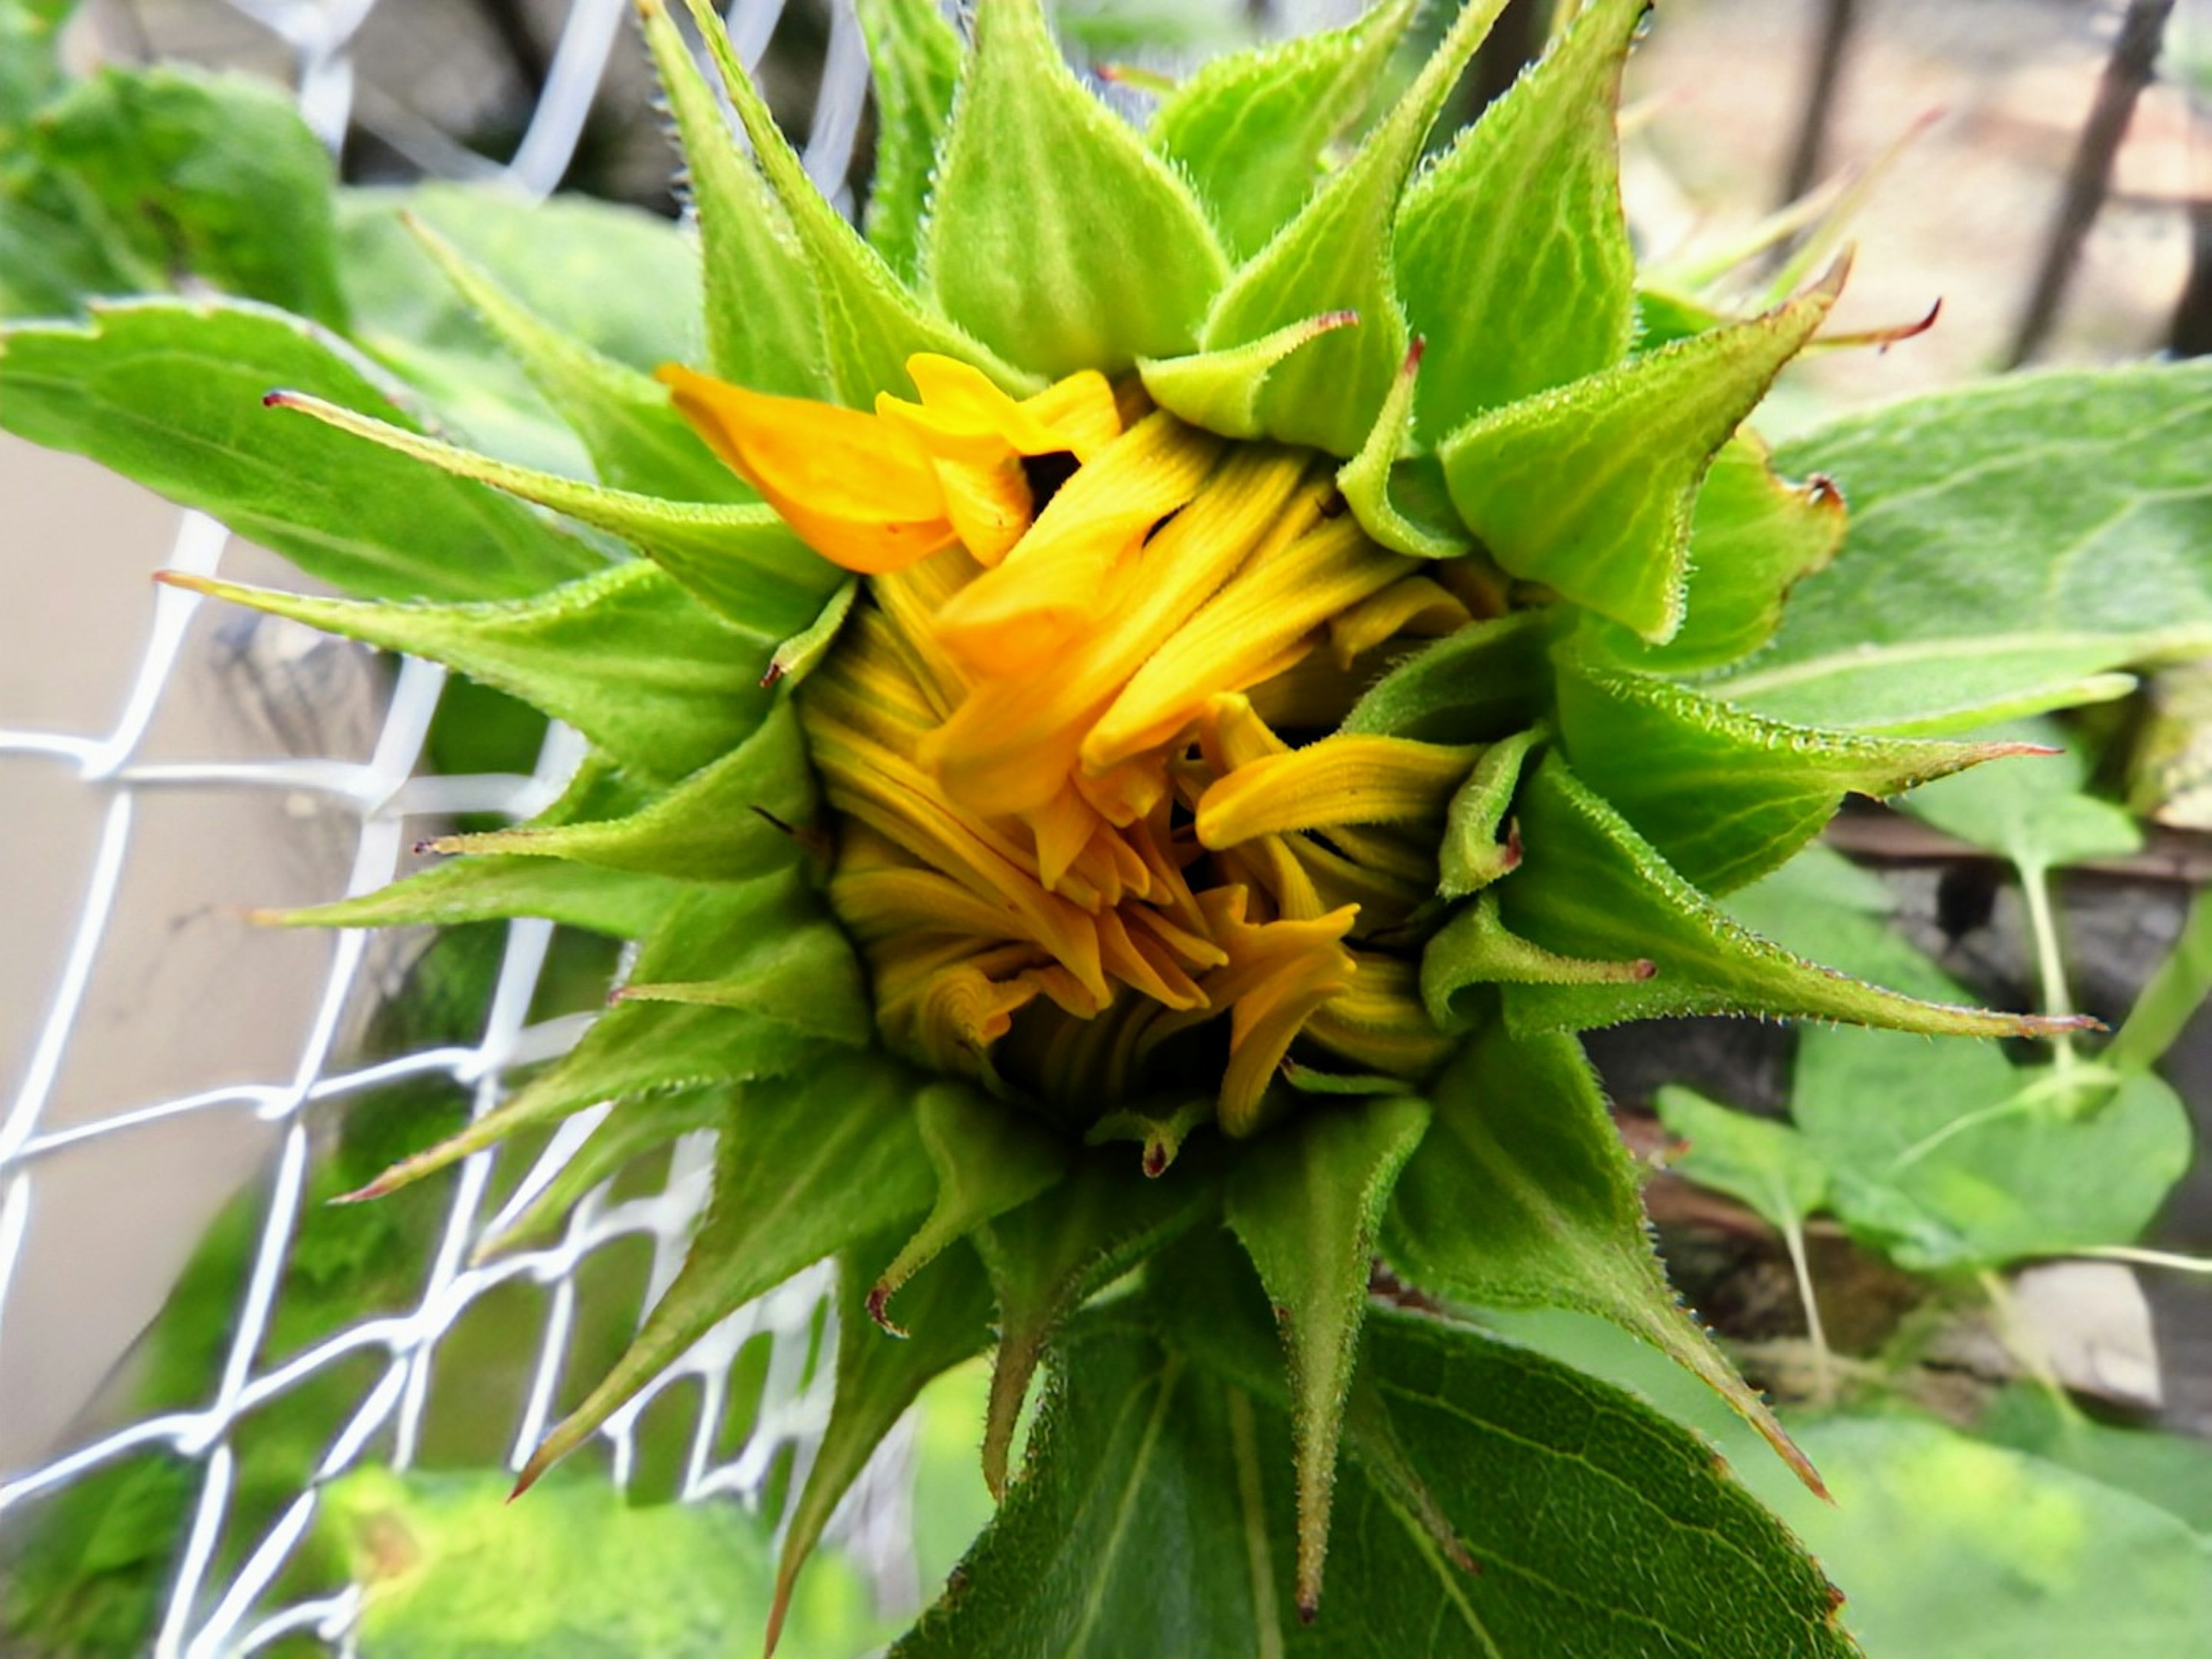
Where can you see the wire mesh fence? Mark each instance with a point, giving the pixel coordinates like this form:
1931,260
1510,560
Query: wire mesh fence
230,1564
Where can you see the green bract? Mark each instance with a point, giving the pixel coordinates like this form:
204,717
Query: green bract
1272,261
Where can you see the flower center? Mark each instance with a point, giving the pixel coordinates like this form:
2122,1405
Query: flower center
1099,838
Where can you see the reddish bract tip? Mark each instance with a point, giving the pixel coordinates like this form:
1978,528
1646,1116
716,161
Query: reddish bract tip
1157,1158
279,398
879,1297
775,673
1413,351
1308,1611
1642,969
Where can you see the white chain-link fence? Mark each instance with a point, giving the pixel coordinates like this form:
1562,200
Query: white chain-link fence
230,1565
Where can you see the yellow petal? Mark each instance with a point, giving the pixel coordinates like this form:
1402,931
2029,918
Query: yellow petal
856,488
1341,779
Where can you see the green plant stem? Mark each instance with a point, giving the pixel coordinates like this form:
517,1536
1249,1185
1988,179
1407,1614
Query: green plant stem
2137,1256
2176,991
1793,1237
2050,962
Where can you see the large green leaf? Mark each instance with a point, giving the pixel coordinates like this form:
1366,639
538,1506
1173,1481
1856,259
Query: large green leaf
2170,1470
449,1570
169,393
1522,1195
1512,249
1251,128
196,176
2009,542
806,1166
1056,238
1306,1202
1155,1518
1950,1549
1945,1155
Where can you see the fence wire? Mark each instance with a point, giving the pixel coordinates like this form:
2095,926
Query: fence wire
211,1608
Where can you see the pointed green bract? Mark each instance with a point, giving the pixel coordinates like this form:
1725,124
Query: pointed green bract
1725,796
878,1377
1305,1202
1477,685
913,57
1250,130
1335,256
642,1048
1522,1195
1048,1254
1473,856
624,657
805,1167
735,818
1590,886
1588,488
1753,536
870,325
804,976
1057,237
637,439
1512,249
620,1138
761,311
168,392
1371,479
616,902
1221,391
740,561
988,1161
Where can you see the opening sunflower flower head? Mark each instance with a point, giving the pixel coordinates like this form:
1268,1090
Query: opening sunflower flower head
1184,636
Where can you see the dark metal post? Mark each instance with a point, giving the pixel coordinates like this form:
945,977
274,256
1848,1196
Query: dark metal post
1838,24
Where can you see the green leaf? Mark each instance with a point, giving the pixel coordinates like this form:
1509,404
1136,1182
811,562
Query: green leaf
637,439
1590,887
1950,1549
1250,129
2010,543
1478,684
869,324
1396,492
735,818
1724,795
1522,1195
625,657
2036,812
1138,1528
447,1570
1753,536
1046,1256
1335,256
202,176
740,561
763,310
169,393
1945,1155
1056,238
914,55
1512,249
878,1377
1305,1202
989,1159
1151,1520
1589,489
2170,1470
1767,1165
807,1165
